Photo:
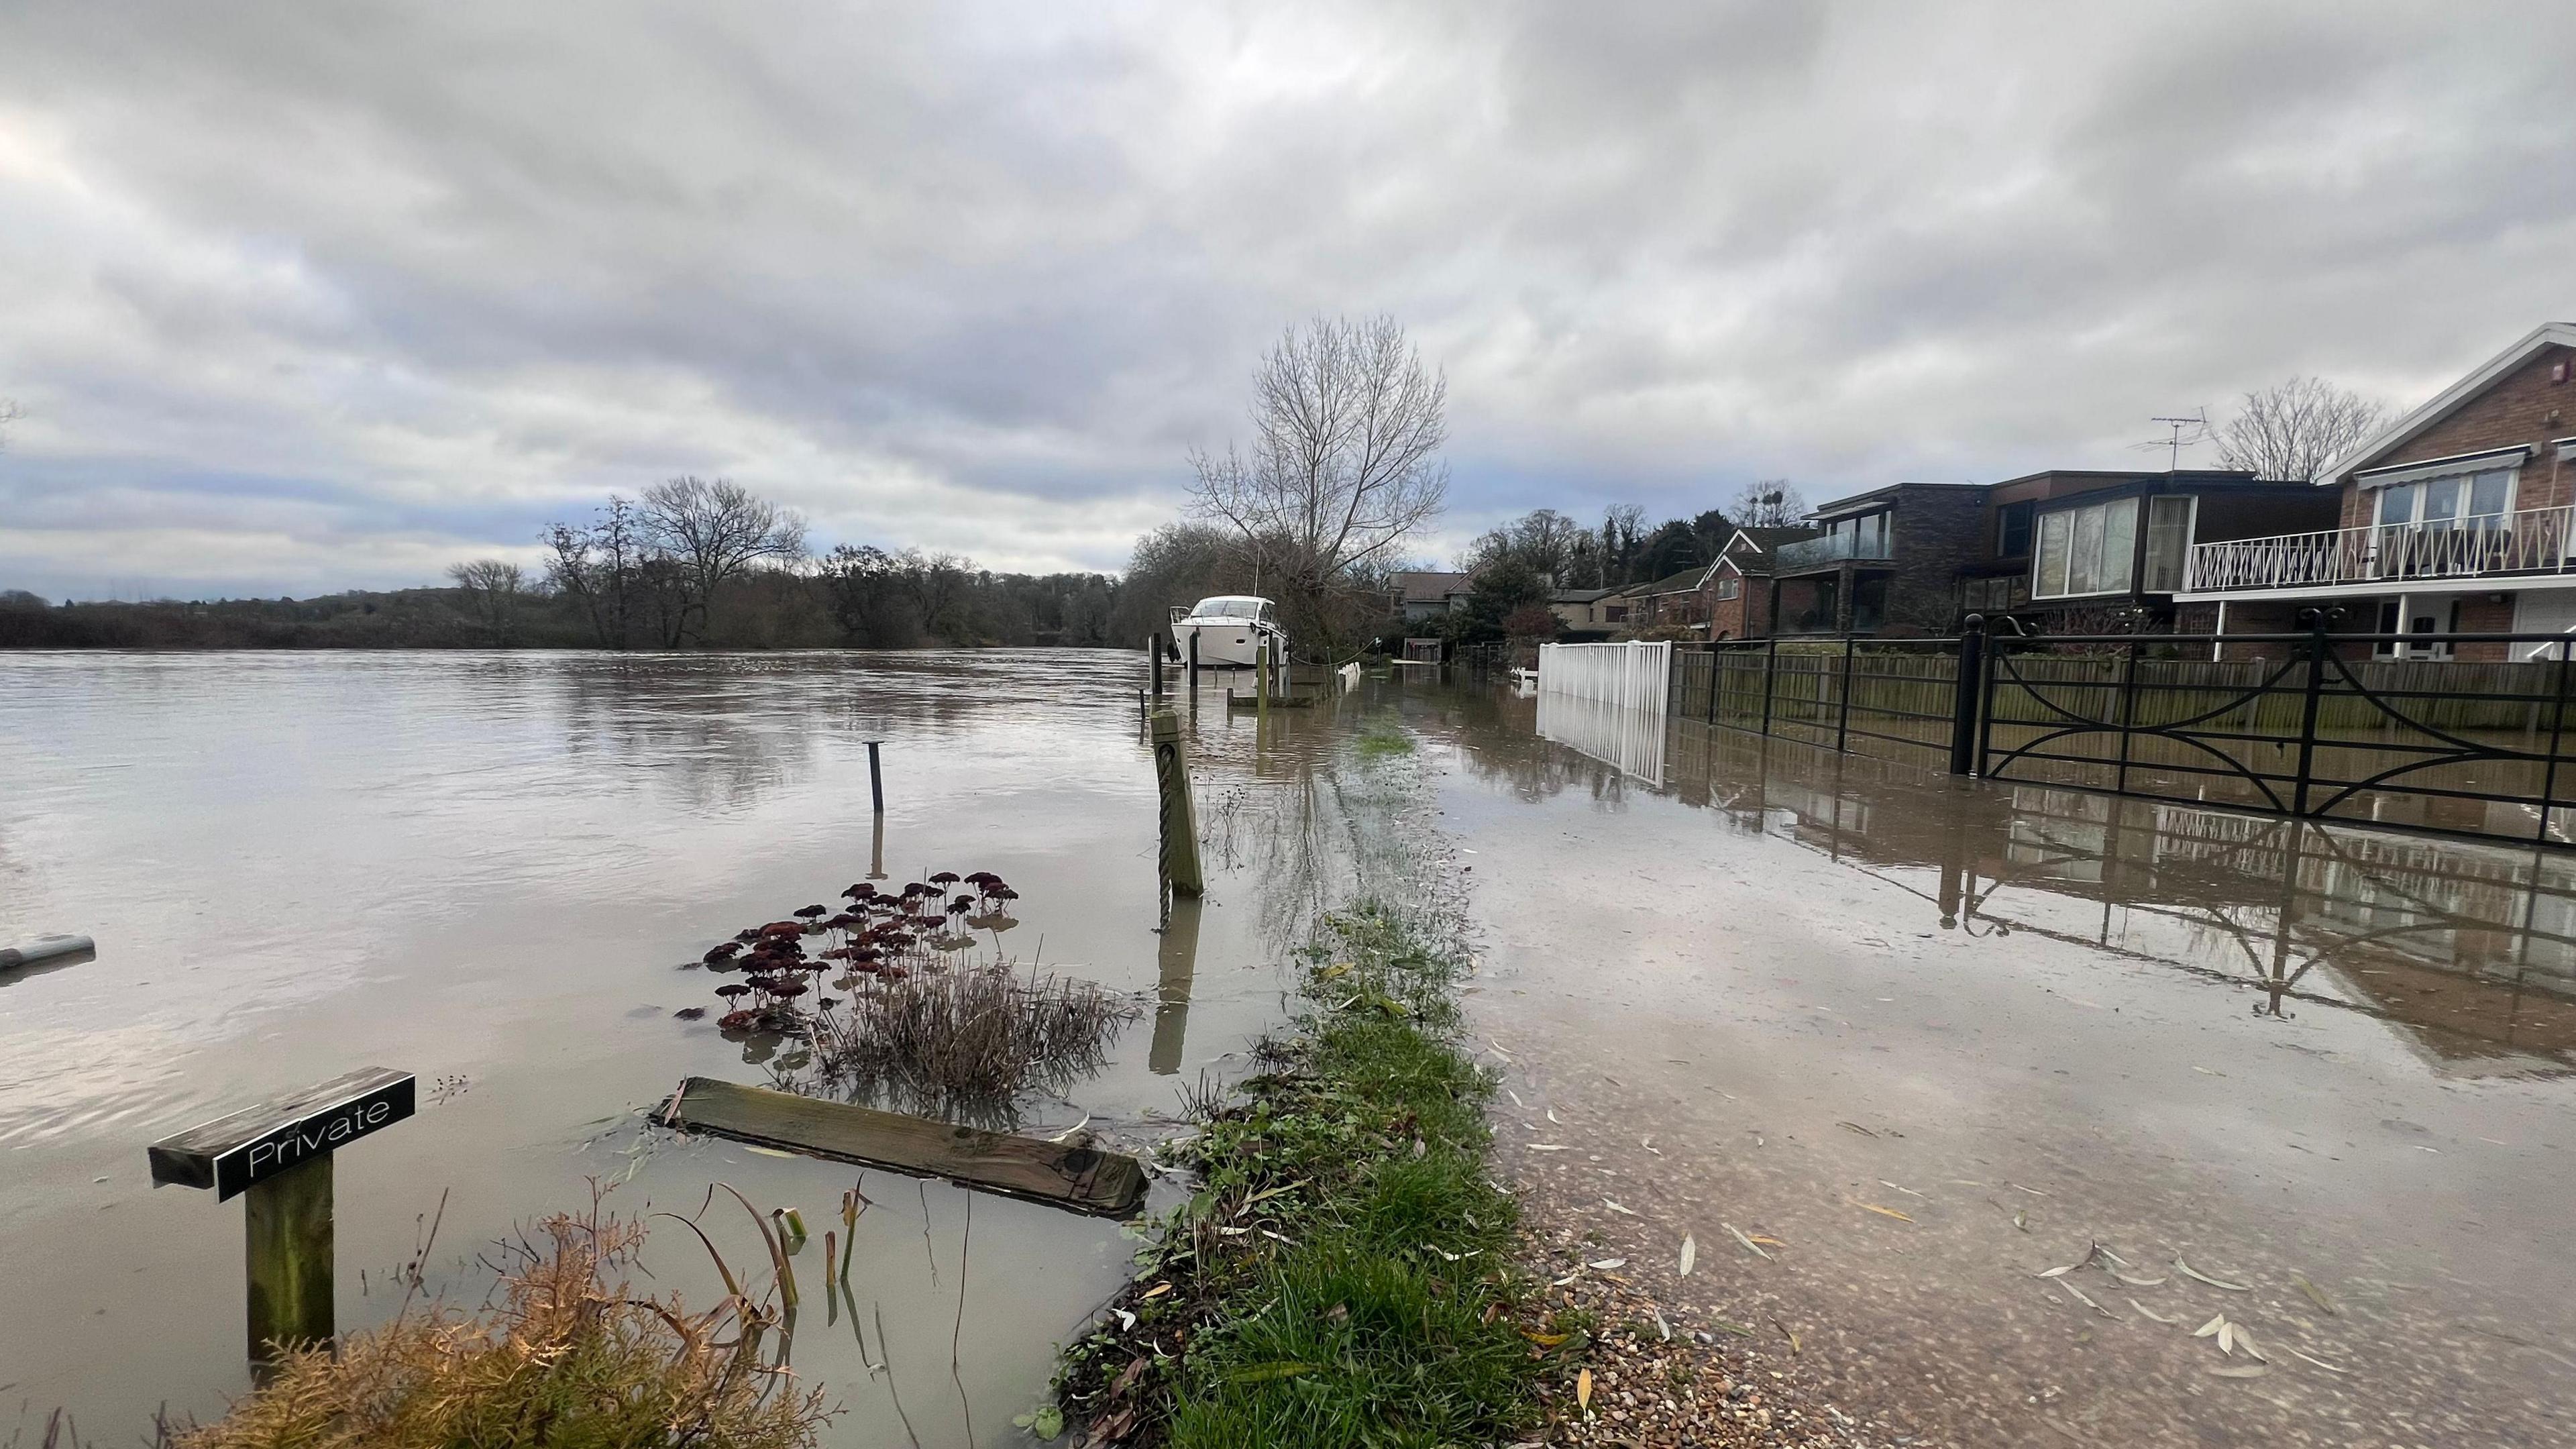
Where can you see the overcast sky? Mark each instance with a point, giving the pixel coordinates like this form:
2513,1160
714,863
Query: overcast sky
300,297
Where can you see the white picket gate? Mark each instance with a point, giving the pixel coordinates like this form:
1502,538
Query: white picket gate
1635,675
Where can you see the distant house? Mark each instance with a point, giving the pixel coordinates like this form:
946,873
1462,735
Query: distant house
1885,562
1738,585
1674,601
1426,594
1582,611
2458,517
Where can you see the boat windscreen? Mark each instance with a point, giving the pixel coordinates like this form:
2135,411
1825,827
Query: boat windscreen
1231,608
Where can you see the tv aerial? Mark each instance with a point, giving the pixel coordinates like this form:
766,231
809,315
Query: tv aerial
2183,433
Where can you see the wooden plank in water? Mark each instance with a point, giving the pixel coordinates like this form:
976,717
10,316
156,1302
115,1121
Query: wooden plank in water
1085,1179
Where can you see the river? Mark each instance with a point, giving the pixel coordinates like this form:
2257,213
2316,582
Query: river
492,871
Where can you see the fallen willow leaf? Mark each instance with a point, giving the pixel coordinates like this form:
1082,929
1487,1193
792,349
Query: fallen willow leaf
1613,1205
1738,1329
2227,1338
1662,1329
1583,1390
2150,1314
2240,1371
2317,1296
2106,1255
1543,1340
1856,1127
1551,1116
1568,1278
1690,1255
1158,1290
1900,1187
2195,1274
1606,1264
2034,1192
2087,1302
2021,1220
2057,1272
1885,1212
2245,1341
2321,1363
1767,1238
1788,1333
1747,1242
2138,1282
1546,1147
2211,1327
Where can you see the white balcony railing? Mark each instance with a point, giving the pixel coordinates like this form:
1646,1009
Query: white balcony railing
2467,548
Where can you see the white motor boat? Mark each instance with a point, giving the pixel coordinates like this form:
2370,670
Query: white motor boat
1229,627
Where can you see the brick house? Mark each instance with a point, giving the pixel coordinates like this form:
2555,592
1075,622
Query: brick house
2081,551
2458,517
1738,585
1883,563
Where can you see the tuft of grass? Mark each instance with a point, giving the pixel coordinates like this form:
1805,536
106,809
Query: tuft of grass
1341,1276
1383,738
570,1356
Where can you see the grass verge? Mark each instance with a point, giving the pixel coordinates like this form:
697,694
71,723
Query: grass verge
1342,1274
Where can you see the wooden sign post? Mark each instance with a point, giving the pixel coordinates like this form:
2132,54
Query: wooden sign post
279,1153
1179,858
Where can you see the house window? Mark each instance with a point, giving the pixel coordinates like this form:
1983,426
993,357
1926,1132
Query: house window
2089,550
2463,500
1865,536
2168,542
1729,588
2012,529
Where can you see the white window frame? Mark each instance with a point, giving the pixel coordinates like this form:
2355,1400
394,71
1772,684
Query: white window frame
2190,531
1729,587
2067,523
2420,491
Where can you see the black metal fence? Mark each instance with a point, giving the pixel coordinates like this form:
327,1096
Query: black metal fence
2387,730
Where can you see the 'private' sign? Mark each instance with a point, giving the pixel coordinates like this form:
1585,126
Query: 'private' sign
257,1143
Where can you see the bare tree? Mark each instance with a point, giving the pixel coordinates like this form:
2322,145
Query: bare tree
709,533
602,564
1770,503
493,586
1543,538
2292,429
1342,468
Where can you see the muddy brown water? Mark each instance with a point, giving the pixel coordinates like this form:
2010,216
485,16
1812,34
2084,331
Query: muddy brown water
489,870
1776,987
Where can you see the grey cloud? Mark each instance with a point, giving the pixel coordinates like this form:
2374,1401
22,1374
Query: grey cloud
347,286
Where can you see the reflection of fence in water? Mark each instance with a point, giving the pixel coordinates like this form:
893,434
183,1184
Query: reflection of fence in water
1630,739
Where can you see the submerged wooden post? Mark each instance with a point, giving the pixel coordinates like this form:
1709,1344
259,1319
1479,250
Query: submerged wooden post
1261,681
1154,661
1180,852
279,1153
876,777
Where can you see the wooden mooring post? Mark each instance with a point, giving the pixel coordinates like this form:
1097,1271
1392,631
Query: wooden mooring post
876,777
1180,844
279,1153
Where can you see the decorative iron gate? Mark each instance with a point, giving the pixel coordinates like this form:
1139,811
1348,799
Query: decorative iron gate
2381,729
2331,726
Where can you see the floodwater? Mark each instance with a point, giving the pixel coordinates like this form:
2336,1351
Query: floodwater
494,871
1750,985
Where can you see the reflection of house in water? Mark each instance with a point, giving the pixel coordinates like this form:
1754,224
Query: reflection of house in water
2471,947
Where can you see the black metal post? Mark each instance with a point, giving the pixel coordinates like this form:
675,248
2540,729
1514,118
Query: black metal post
876,777
1713,677
2128,706
1964,697
2308,713
1154,661
1194,662
1842,714
1770,669
2549,773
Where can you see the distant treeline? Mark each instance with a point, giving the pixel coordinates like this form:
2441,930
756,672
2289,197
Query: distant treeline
769,609
688,565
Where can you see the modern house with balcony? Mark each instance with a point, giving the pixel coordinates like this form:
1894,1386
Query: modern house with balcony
1885,562
2082,551
2455,518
